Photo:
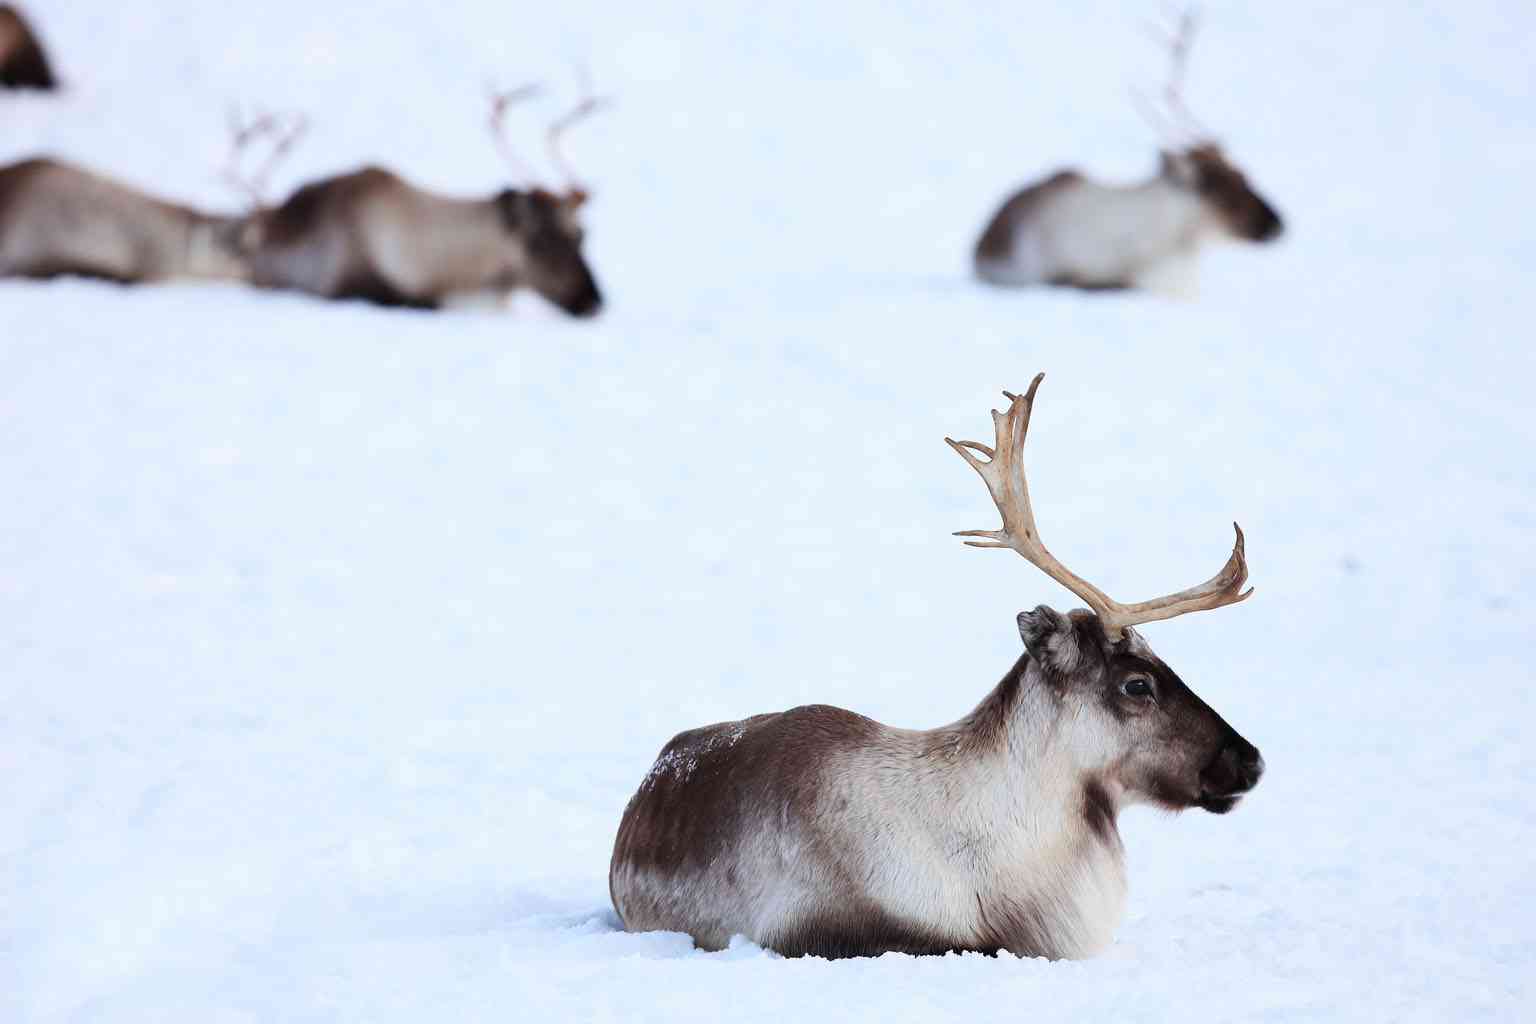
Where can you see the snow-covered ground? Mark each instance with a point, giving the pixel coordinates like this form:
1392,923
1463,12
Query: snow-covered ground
333,640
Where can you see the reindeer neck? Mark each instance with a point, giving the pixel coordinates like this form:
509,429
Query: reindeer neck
1171,214
1008,762
212,247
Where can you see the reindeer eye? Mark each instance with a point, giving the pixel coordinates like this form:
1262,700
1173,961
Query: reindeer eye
1137,686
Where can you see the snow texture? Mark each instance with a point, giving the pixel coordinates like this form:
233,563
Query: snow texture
335,639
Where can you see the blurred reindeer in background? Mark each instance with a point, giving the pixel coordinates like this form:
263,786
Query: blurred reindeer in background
57,218
372,235
23,65
1072,231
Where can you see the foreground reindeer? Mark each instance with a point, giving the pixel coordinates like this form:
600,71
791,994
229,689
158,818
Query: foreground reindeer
1070,230
819,831
23,64
373,235
56,218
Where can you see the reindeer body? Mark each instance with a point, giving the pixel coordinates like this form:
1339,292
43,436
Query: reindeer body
23,65
819,831
56,218
372,235
1069,230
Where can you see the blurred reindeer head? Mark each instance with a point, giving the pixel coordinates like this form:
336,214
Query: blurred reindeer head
1191,158
546,219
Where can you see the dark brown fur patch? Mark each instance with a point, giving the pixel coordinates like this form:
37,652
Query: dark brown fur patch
1018,926
14,180
1083,284
1247,214
309,206
996,242
1099,811
861,929
23,65
369,285
693,803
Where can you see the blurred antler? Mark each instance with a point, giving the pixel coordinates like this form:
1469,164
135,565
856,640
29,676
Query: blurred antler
1174,118
278,132
585,107
501,101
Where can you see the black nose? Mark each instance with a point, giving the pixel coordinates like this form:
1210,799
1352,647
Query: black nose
1271,226
1235,770
588,303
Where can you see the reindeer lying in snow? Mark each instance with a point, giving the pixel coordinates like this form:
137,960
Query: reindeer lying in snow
1069,230
373,235
56,218
23,64
819,831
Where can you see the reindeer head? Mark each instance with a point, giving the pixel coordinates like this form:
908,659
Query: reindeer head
1131,722
1125,718
1242,212
1191,161
548,235
546,223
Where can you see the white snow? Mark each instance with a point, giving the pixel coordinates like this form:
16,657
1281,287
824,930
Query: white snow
333,640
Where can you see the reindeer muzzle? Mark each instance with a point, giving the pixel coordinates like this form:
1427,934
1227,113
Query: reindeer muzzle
1233,772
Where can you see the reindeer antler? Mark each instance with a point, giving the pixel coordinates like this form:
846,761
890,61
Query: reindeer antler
584,108
1003,473
281,133
1178,37
501,101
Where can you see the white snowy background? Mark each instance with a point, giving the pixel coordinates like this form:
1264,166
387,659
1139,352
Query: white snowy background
333,639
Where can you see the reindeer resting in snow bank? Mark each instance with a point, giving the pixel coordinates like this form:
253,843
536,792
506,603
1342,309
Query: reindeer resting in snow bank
373,235
819,831
1071,231
56,218
23,65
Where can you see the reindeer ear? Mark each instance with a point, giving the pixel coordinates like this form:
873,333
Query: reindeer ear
1060,644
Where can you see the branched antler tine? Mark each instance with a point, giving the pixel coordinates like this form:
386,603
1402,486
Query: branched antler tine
1220,590
973,461
1006,482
